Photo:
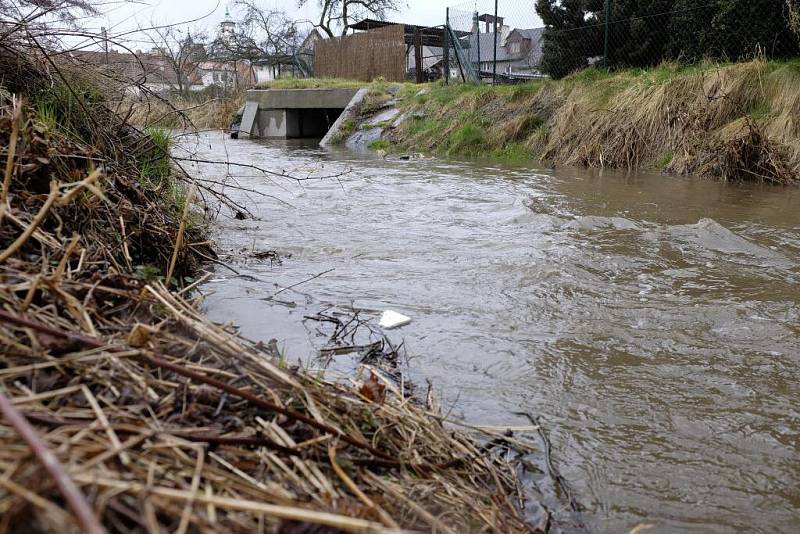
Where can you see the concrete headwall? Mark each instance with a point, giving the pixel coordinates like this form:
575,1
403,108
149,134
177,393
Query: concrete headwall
287,113
301,98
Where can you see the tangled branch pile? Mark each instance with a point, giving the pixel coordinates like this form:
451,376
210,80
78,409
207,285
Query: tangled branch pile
123,407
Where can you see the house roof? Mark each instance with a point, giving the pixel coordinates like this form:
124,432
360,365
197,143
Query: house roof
430,36
141,68
486,42
216,66
483,44
536,35
153,69
311,38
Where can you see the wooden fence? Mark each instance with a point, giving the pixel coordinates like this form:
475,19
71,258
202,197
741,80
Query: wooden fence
363,56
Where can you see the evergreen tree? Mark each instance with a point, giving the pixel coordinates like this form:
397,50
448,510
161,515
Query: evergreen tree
570,36
690,30
644,33
732,30
743,28
639,32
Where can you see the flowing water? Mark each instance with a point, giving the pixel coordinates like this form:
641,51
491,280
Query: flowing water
652,322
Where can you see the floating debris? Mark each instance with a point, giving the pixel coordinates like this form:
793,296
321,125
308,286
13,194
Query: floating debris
391,319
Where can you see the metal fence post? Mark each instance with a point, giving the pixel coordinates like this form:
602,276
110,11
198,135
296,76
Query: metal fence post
605,43
494,60
476,23
418,56
446,59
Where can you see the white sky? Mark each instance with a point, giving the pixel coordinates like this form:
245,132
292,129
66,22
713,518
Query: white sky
125,16
119,17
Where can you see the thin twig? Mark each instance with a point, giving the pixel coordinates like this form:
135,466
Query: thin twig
297,284
69,490
12,148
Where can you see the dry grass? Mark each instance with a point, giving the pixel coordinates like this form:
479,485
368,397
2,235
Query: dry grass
632,119
201,113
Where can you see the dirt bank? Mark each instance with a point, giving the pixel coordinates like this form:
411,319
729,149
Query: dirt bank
729,122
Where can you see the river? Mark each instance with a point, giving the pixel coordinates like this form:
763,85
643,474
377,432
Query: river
653,322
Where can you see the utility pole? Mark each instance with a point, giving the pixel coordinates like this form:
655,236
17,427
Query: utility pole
477,25
605,44
494,61
104,34
446,60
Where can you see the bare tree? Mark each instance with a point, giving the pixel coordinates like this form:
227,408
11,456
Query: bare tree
335,13
274,31
28,11
180,55
268,36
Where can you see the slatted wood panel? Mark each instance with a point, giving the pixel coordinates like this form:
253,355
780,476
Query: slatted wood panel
363,56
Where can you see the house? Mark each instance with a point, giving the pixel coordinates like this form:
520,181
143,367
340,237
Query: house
149,69
479,50
306,52
523,49
227,75
297,65
519,51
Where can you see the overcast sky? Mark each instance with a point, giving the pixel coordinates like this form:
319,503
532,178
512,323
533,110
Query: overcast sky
120,16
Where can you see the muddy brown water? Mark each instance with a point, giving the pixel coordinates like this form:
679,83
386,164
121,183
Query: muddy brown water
652,322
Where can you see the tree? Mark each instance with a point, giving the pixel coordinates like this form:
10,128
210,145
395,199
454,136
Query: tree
643,33
742,28
265,35
689,30
639,32
181,55
732,29
31,11
793,9
571,36
343,13
274,31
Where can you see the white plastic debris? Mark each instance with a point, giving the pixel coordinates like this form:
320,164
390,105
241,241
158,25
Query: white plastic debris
392,319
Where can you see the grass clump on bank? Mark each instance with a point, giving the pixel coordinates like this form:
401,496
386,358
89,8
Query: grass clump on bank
730,122
149,416
311,83
201,111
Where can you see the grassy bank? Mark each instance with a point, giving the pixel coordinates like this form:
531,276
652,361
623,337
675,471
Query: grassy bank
124,409
201,112
730,122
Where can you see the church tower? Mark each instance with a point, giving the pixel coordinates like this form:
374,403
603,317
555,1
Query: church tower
227,27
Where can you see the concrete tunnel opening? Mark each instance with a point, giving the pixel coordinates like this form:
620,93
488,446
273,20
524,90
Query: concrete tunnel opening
311,123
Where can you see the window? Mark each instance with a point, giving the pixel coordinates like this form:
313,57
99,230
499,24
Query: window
515,48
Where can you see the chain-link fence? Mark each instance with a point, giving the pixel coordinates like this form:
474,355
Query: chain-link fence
505,41
495,40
